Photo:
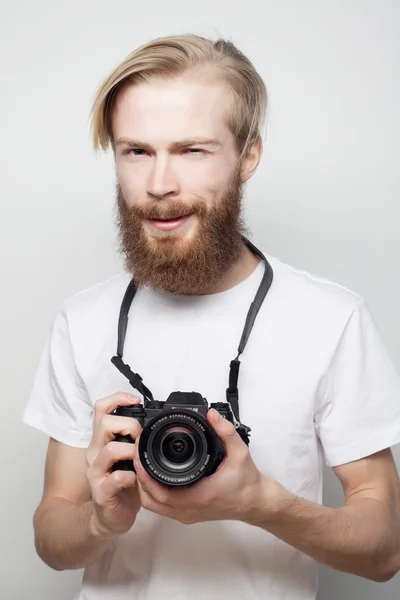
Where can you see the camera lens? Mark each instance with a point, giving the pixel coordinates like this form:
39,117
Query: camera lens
178,447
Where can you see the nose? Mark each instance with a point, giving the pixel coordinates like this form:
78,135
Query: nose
162,181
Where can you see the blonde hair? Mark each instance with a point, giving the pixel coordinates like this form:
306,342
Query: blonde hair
176,55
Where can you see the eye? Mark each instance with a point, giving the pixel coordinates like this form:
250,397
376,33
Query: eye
138,151
194,151
135,151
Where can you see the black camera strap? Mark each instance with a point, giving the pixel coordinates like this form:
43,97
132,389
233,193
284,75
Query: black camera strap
232,392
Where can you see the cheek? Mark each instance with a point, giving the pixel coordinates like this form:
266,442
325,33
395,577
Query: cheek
132,182
204,180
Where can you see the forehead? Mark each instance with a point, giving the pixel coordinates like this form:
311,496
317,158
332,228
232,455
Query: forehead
165,110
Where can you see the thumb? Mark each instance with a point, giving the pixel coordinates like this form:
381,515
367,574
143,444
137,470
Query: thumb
226,432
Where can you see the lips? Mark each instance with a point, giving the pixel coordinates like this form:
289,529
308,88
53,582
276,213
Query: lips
169,224
170,218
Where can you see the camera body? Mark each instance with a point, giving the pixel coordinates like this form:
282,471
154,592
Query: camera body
178,446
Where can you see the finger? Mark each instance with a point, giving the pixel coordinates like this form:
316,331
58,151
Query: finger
146,481
159,493
112,486
136,446
178,513
112,425
231,440
106,431
109,403
110,454
148,502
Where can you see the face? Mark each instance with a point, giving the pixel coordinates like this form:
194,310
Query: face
179,183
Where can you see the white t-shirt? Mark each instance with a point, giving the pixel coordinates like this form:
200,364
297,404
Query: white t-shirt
315,383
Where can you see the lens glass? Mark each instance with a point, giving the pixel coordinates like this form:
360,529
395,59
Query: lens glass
177,448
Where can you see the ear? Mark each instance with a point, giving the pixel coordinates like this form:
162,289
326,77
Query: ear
251,160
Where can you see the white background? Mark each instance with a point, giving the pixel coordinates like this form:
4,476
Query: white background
325,197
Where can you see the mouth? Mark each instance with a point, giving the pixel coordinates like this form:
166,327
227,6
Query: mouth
169,224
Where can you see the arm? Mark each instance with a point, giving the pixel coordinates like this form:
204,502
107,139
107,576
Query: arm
362,537
85,505
64,535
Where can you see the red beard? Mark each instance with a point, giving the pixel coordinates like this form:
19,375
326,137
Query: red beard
175,264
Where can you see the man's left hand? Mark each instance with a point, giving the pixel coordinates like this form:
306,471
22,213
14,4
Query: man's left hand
233,492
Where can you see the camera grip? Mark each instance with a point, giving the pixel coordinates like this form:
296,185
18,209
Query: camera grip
134,411
123,465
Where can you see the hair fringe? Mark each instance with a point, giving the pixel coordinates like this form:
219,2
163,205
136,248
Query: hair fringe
175,55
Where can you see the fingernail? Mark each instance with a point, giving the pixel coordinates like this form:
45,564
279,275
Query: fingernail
132,398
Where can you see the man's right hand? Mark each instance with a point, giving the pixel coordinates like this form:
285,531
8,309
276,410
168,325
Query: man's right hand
115,496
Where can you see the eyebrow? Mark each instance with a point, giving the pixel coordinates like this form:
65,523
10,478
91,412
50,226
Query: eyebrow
196,141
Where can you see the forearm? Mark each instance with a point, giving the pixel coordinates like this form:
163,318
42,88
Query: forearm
65,537
356,538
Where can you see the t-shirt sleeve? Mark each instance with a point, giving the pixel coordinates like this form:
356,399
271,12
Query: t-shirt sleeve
358,412
59,404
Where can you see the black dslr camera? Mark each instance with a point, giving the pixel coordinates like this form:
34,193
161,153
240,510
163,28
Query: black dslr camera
178,446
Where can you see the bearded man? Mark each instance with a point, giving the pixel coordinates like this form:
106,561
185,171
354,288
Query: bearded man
183,116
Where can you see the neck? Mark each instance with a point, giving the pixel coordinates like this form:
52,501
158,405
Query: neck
242,269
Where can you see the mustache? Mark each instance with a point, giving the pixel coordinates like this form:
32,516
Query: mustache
168,209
